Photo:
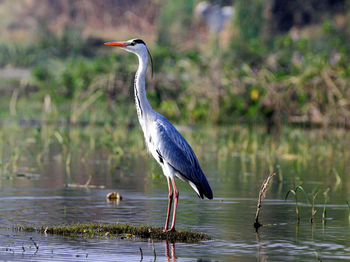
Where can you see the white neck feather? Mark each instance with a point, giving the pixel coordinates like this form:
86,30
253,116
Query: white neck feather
143,107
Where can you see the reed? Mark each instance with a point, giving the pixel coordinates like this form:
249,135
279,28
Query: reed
313,210
294,192
324,212
347,202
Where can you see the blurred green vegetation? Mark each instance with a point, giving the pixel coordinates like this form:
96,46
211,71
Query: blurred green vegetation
235,158
259,76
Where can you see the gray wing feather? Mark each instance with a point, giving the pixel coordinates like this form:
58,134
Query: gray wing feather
174,149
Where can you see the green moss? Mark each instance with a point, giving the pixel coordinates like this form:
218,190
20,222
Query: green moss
116,230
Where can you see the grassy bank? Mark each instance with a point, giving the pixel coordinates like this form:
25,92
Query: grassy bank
117,230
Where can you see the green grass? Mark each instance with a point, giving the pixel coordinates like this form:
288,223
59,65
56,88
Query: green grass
117,230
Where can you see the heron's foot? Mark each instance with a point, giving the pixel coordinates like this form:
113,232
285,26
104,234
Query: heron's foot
169,230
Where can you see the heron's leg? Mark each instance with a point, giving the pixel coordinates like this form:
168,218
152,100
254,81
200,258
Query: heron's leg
169,204
175,204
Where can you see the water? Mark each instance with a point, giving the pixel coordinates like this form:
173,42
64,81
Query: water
236,161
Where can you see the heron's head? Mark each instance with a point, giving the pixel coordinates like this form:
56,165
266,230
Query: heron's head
136,46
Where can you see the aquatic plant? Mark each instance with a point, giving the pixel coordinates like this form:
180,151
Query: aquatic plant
313,210
324,212
294,192
317,256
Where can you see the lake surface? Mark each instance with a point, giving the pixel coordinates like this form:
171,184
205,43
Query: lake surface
39,161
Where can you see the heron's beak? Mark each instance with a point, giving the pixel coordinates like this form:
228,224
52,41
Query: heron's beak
121,44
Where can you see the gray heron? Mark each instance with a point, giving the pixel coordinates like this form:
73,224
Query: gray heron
164,142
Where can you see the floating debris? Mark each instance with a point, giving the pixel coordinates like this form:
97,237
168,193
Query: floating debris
114,196
121,231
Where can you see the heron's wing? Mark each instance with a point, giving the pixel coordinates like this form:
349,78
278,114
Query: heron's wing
175,150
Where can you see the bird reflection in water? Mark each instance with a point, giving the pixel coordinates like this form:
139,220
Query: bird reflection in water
170,255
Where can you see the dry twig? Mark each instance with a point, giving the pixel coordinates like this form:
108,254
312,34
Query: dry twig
262,195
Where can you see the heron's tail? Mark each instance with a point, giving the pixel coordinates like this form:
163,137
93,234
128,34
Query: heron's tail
204,188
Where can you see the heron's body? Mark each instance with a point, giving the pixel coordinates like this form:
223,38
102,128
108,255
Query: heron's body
164,142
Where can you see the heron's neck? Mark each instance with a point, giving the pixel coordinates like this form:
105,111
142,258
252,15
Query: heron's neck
142,106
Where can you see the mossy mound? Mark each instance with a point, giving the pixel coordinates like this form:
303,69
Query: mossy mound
117,230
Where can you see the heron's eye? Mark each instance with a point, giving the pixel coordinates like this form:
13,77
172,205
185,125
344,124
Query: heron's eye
132,43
